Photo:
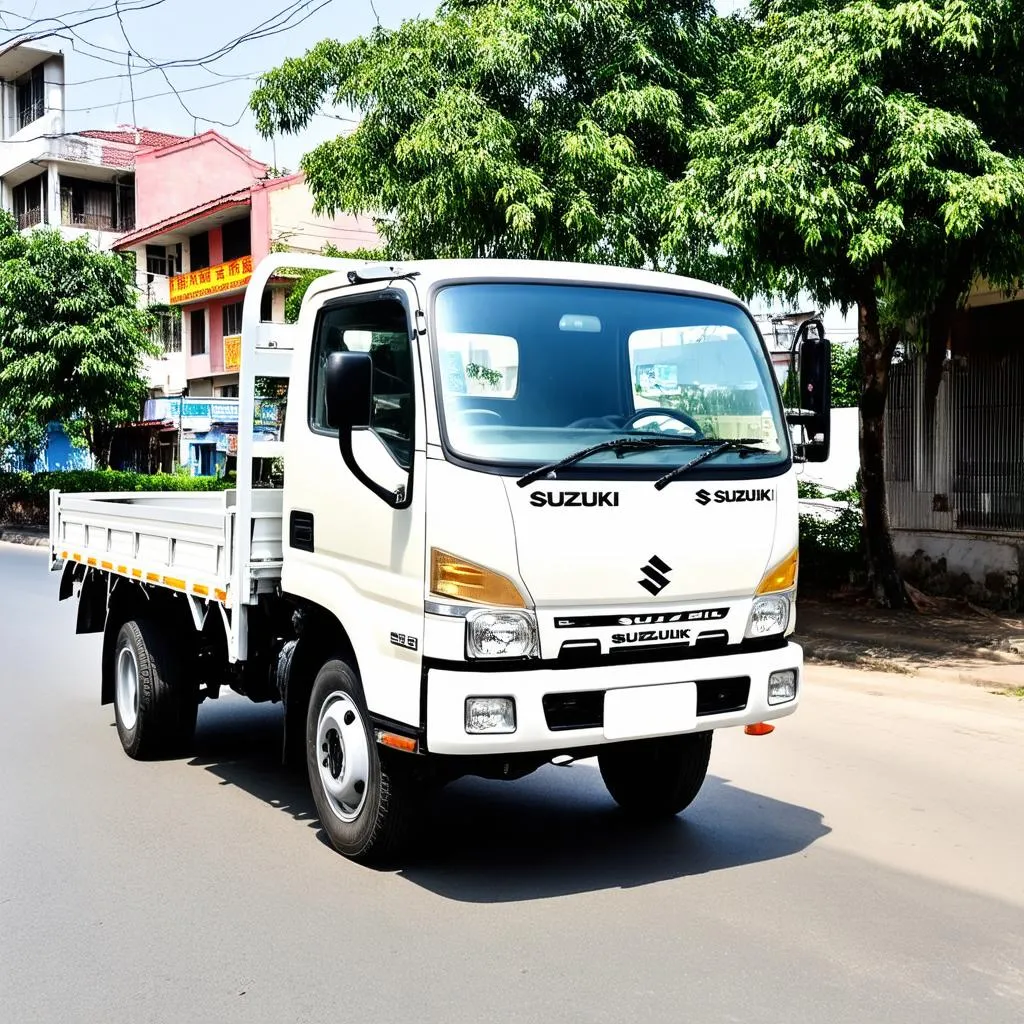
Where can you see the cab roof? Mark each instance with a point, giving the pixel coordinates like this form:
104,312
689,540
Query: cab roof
436,272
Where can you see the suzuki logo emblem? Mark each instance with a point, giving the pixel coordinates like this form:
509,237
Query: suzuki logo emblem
703,497
656,580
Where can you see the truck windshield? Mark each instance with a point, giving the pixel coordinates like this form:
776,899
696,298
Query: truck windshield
530,373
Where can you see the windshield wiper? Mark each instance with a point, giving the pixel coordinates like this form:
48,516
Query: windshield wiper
621,445
741,445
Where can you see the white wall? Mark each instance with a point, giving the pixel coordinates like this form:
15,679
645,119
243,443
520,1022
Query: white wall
840,471
293,222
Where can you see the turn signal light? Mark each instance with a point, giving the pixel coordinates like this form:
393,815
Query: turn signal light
782,576
758,729
396,742
451,576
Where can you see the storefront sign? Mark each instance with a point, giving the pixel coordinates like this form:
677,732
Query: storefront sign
201,284
232,351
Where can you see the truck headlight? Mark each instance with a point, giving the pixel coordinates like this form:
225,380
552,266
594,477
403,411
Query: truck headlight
501,634
768,615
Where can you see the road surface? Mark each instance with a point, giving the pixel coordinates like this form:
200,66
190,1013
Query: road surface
864,863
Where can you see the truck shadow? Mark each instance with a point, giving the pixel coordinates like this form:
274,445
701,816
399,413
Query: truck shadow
554,833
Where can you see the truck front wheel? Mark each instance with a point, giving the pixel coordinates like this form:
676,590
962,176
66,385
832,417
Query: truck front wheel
155,704
656,778
366,800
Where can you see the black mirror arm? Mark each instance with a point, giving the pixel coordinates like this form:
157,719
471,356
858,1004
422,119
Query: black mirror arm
400,498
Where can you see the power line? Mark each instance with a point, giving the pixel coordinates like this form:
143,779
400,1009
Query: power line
29,36
166,92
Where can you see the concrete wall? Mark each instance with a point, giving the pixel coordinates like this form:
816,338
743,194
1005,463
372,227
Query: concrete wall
840,471
985,568
175,179
291,221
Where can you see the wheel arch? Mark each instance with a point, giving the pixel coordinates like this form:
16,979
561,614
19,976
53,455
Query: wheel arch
320,635
126,599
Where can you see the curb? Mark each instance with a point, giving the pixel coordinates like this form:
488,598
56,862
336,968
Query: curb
20,537
901,662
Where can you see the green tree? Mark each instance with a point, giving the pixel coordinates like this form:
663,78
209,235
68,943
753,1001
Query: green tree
72,336
304,278
845,376
519,128
20,437
868,153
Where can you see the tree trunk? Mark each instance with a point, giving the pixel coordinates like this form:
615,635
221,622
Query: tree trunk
875,354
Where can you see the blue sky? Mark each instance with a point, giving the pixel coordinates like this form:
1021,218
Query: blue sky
183,29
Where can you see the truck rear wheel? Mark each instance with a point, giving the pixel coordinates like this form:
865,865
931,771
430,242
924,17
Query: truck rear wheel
657,778
155,705
366,797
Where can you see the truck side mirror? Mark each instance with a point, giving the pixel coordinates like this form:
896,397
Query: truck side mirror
813,355
348,382
348,391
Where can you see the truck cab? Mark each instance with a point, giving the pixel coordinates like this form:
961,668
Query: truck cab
529,510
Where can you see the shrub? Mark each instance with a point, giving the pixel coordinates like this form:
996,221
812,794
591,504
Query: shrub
25,497
831,546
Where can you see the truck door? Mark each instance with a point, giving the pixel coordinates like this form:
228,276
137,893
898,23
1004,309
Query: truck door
346,549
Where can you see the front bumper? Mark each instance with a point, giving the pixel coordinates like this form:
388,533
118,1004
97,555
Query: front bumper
447,691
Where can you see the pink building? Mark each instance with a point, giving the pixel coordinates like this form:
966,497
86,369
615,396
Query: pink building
207,212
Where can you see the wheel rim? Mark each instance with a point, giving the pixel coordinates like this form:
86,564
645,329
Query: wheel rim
343,756
126,690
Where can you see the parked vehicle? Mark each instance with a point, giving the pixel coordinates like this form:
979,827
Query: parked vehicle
490,548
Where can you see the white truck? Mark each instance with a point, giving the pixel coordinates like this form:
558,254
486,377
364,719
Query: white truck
530,511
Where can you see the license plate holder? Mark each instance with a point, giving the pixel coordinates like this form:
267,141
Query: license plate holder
660,710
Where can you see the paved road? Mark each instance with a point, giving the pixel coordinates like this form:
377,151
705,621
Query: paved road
864,863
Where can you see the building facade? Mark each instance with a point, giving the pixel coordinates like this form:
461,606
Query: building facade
82,183
955,465
209,212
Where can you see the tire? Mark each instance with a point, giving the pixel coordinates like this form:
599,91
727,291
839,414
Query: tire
155,704
367,797
657,778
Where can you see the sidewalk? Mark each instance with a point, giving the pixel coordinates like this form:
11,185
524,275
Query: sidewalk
975,647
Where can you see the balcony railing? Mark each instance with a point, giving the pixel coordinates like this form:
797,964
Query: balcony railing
30,218
99,221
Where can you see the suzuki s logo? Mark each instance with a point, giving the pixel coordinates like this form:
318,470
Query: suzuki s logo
655,571
705,497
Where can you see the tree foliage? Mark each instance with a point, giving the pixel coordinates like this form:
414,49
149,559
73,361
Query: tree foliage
845,377
520,128
72,336
860,153
865,152
304,278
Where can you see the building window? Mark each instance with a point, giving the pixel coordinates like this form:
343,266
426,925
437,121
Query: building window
381,328
156,260
162,260
31,98
28,202
237,239
227,391
197,332
199,251
233,319
267,306
167,330
96,205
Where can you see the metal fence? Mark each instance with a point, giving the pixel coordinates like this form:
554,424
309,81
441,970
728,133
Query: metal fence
962,470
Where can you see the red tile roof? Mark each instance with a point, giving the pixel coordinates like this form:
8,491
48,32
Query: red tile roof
147,138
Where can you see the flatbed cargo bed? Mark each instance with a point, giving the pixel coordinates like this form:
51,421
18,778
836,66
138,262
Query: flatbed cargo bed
182,540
